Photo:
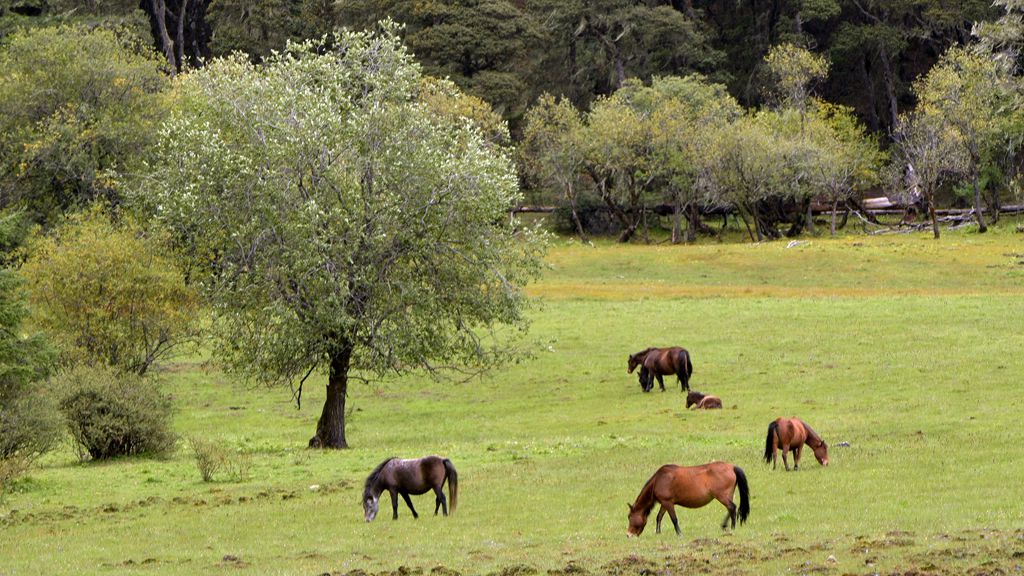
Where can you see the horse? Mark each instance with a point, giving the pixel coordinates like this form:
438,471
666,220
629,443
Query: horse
691,487
792,434
405,477
659,362
702,401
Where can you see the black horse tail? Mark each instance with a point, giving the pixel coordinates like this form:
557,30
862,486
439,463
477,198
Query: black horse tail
772,429
453,484
687,368
741,481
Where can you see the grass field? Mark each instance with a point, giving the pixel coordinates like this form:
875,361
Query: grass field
908,349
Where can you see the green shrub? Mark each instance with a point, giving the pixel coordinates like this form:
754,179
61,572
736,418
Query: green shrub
109,294
29,421
213,458
112,414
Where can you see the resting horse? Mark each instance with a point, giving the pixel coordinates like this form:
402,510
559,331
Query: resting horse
406,477
661,361
702,401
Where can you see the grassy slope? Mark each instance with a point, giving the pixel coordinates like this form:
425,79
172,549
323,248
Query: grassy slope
906,348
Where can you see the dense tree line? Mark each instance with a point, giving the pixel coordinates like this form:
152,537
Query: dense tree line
508,52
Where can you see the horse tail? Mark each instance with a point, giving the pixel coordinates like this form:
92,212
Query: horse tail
741,481
453,484
772,430
687,368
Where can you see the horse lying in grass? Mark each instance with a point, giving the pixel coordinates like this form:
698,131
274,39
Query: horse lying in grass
658,362
691,487
791,434
405,477
702,401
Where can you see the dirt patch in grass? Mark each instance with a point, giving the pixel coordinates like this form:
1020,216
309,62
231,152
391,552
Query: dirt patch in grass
213,499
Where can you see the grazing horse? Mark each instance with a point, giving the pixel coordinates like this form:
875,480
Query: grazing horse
659,362
702,401
405,477
792,434
692,487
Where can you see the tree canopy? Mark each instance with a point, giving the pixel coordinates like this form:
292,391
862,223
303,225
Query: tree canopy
340,223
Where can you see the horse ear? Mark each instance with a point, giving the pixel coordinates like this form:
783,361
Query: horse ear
630,506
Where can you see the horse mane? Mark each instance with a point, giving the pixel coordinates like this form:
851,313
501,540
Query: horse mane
372,478
641,353
645,500
811,433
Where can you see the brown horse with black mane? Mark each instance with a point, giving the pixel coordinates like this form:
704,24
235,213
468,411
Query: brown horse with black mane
702,401
657,362
405,477
692,487
792,434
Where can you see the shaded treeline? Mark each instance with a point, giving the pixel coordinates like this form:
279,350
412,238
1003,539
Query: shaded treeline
508,52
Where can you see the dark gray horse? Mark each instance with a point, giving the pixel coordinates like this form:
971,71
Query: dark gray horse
405,477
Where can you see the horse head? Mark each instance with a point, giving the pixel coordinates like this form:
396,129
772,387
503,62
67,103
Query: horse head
637,359
370,506
821,453
693,397
637,520
634,361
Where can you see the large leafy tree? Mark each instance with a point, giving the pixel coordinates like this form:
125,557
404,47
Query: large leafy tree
974,96
343,224
76,107
928,153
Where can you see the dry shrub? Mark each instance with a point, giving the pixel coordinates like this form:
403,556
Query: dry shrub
213,458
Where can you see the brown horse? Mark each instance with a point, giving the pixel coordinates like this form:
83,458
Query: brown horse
792,434
692,487
659,362
405,477
702,401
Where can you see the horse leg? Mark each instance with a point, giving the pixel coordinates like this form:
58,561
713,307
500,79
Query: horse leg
394,503
675,521
796,456
785,449
661,514
775,451
730,512
661,381
440,501
408,502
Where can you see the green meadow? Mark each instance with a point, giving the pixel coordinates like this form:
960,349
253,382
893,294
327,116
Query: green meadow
906,348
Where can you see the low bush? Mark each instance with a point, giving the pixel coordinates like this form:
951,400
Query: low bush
213,458
111,413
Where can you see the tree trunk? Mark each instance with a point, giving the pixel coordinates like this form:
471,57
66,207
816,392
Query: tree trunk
159,8
982,228
810,218
890,86
935,220
330,429
677,220
179,41
835,207
693,222
570,194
